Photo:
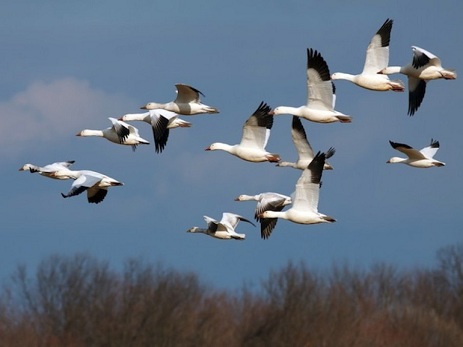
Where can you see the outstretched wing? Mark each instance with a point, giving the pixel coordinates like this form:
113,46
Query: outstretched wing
308,185
232,220
256,129
81,184
319,85
186,94
431,150
422,57
121,129
377,57
409,151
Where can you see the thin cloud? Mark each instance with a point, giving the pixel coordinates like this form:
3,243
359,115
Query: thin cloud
51,111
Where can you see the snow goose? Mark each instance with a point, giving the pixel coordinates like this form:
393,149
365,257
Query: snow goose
303,147
266,202
320,94
417,158
225,229
304,209
377,58
161,121
256,132
120,132
425,66
187,102
58,170
95,183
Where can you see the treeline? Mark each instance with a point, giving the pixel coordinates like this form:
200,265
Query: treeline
79,301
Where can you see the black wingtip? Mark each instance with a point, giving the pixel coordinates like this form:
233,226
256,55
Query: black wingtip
434,143
385,32
316,166
263,116
395,145
315,61
330,152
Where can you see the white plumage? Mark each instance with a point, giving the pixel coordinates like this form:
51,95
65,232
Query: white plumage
59,170
321,97
417,158
256,132
304,209
94,183
161,121
120,132
225,229
187,102
424,67
304,149
266,202
377,58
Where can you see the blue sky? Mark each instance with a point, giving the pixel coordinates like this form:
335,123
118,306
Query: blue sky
70,66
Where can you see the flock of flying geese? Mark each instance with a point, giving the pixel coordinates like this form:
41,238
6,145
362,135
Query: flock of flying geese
320,107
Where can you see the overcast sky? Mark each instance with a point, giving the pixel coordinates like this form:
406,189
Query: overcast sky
67,66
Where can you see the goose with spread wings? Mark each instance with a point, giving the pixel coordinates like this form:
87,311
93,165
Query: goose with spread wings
377,58
225,229
304,149
304,208
59,170
256,132
268,201
120,132
424,67
423,158
161,122
94,183
321,95
187,102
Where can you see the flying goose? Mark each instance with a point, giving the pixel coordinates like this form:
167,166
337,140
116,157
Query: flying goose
425,66
120,132
304,209
58,170
187,102
303,147
266,202
161,121
377,58
320,94
256,132
225,229
95,183
422,158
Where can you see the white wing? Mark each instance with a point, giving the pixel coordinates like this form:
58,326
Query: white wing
377,57
319,85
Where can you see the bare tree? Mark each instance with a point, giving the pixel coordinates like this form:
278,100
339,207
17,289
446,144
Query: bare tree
79,301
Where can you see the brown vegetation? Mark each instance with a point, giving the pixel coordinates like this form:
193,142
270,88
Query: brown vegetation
78,301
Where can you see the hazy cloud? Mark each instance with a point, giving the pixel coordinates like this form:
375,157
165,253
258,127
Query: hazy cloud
51,111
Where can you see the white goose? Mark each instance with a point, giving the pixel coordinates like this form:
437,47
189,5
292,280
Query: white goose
59,170
161,121
256,132
120,132
304,149
377,58
417,158
225,229
187,102
266,202
304,209
320,94
425,66
95,183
